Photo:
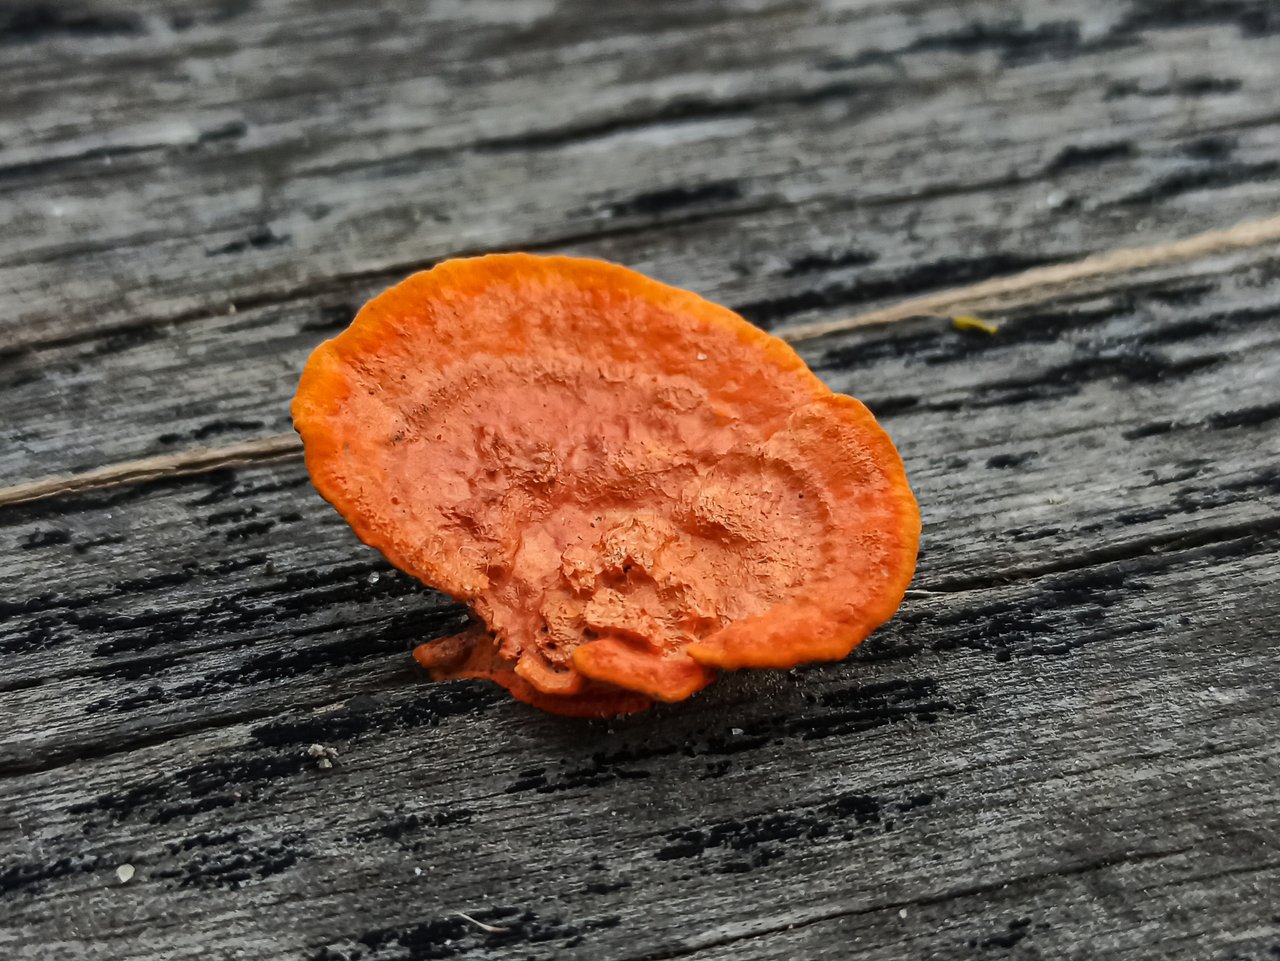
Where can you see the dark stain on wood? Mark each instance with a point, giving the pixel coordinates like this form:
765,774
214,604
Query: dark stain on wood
1073,156
1199,86
262,238
1195,179
653,203
1253,18
35,22
1020,44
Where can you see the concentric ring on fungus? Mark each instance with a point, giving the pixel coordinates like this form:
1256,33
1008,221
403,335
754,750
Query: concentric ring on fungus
630,486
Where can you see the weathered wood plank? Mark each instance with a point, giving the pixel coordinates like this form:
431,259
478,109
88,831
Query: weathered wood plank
1141,419
153,391
1063,746
1087,789
782,100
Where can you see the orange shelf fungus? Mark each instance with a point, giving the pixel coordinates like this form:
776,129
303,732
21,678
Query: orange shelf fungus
631,487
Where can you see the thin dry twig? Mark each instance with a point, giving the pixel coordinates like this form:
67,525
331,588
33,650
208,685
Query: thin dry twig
198,461
488,928
1031,286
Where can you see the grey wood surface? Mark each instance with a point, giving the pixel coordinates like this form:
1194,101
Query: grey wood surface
1062,747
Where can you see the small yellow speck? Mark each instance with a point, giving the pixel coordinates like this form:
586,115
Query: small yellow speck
125,873
969,322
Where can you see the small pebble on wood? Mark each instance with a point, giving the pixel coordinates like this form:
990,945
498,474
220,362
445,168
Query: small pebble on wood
324,755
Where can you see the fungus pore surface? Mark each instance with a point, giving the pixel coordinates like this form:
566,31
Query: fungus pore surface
631,487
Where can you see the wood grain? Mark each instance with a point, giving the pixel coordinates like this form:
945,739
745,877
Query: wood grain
240,169
1062,747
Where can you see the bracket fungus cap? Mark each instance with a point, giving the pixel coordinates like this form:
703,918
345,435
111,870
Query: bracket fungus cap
630,486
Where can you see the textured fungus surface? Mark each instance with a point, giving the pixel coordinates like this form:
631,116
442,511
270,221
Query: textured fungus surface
630,486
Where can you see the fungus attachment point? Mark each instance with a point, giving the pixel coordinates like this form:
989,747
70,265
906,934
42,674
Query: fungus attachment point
631,487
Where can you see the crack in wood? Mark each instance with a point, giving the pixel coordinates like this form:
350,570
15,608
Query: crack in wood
765,929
